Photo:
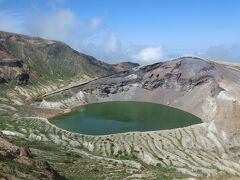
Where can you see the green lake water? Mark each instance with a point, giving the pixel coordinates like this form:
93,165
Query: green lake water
117,117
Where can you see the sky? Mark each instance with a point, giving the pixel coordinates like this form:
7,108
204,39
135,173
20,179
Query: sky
143,31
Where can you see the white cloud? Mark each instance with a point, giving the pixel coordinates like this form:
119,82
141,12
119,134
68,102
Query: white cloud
86,36
63,25
95,23
149,54
112,44
54,3
59,25
89,36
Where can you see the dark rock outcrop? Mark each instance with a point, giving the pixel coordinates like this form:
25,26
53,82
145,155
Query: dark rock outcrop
124,66
182,73
14,69
21,156
23,79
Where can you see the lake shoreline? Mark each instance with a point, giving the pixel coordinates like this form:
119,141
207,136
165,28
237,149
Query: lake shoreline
111,117
56,115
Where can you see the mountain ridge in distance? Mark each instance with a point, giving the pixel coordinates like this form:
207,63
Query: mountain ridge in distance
53,59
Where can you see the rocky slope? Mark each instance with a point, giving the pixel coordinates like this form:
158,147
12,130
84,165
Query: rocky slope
209,90
124,66
18,162
50,58
189,83
47,66
54,59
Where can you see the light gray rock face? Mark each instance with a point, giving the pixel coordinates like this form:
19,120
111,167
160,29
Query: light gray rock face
199,150
192,84
207,89
182,73
172,83
188,83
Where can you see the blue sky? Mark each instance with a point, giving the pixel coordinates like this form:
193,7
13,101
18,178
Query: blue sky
143,31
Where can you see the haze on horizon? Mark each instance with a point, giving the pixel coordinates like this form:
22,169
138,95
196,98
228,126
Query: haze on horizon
143,31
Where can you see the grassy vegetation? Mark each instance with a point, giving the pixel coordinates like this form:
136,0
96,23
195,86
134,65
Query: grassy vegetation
69,164
56,60
73,165
17,167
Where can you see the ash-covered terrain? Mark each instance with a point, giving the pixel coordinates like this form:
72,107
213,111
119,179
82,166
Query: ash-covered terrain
207,89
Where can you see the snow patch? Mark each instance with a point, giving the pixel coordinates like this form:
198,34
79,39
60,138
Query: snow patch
225,96
51,105
10,133
212,127
132,76
135,85
35,137
80,95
